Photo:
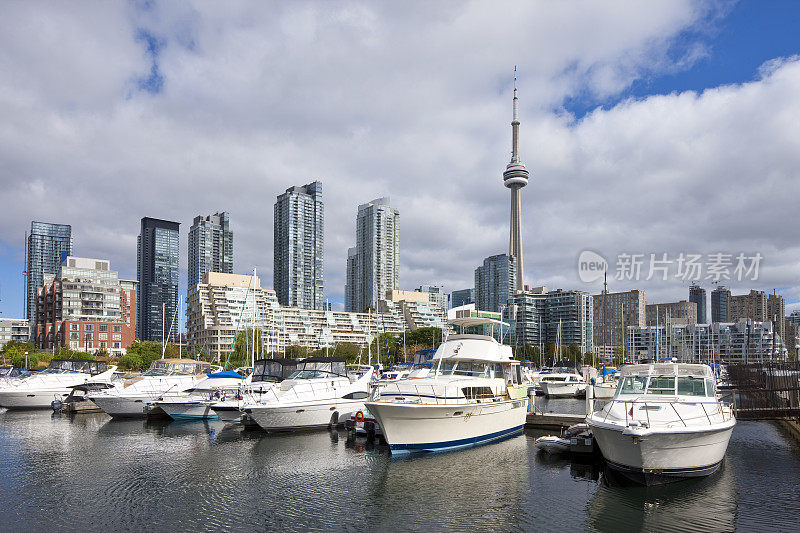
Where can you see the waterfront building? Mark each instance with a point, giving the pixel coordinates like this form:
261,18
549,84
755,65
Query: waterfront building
726,342
462,297
776,312
529,312
697,294
210,246
515,178
415,308
792,337
538,313
574,312
224,303
45,247
14,329
436,294
613,312
683,312
751,306
87,307
157,273
495,282
373,266
719,304
299,247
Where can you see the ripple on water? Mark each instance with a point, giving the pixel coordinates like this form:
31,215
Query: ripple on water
95,474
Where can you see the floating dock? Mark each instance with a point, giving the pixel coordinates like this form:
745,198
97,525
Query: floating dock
552,420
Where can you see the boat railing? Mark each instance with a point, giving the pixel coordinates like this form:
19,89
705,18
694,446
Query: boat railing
440,394
726,412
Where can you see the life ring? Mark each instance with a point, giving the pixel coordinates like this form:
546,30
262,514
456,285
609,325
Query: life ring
359,416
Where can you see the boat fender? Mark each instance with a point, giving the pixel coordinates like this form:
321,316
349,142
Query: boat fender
334,420
359,416
593,381
56,405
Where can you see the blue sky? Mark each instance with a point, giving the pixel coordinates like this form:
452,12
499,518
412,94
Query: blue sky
173,110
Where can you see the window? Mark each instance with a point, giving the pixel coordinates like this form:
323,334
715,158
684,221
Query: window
691,386
88,327
117,329
73,327
102,327
102,336
117,345
661,385
633,385
89,345
88,336
116,336
73,345
74,335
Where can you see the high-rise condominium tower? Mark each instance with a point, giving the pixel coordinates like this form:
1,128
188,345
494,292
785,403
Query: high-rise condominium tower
157,273
373,267
299,250
46,244
515,178
210,246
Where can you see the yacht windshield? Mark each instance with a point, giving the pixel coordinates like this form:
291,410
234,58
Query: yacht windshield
661,385
633,385
157,372
471,368
311,374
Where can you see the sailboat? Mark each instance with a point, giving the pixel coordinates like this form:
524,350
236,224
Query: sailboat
565,381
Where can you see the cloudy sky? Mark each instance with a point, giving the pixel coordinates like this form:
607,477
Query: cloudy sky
648,128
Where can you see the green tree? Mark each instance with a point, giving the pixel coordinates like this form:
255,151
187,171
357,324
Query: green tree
242,346
618,356
13,348
140,354
348,350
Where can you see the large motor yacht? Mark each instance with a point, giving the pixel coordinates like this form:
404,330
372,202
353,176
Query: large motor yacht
318,394
472,396
195,402
39,389
266,374
163,376
664,423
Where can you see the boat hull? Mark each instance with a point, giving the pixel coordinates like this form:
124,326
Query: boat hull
188,410
663,457
559,389
227,412
301,415
32,399
410,428
121,406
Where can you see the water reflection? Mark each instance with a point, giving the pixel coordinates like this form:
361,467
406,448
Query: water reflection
705,504
91,472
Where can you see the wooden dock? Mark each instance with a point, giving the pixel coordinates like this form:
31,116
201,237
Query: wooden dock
552,420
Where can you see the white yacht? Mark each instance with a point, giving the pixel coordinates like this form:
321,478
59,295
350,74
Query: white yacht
562,381
471,397
195,402
664,423
39,389
316,395
163,376
265,375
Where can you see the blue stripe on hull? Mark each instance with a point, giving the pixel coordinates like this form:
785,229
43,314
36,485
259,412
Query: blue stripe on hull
210,416
451,445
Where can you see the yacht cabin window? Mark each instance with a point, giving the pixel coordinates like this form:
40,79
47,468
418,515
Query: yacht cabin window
633,385
691,386
661,385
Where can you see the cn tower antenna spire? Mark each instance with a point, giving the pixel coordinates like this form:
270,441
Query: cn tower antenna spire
515,178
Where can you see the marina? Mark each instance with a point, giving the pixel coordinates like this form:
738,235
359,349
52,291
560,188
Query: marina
205,475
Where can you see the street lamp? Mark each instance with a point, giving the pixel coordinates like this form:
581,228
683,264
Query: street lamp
26,360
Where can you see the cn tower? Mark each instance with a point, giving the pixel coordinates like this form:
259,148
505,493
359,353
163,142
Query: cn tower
516,177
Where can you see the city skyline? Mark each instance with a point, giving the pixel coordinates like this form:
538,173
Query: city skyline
587,136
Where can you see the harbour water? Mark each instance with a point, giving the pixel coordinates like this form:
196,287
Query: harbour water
90,473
